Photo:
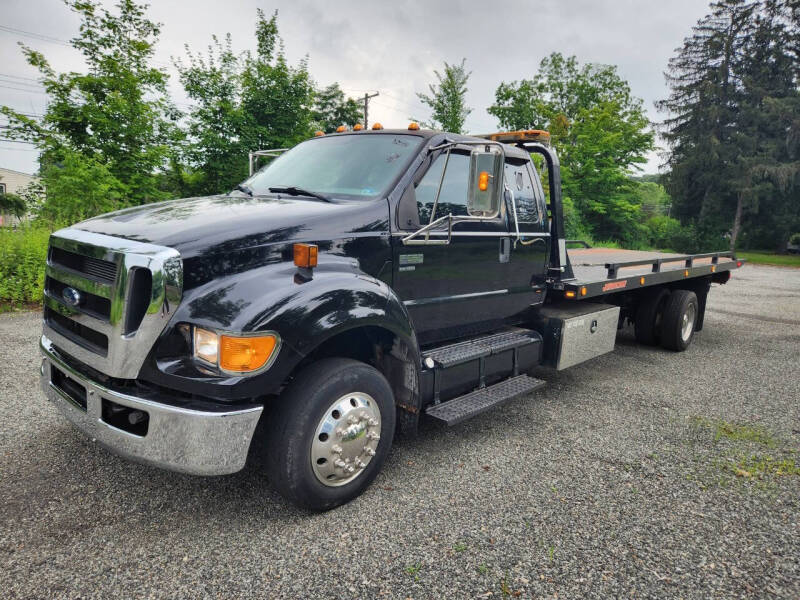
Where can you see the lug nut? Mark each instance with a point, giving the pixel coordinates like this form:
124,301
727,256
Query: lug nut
337,449
339,432
339,463
373,436
352,419
359,464
369,451
373,422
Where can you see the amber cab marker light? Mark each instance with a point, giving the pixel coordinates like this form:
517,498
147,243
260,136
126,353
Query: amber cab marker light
377,126
569,294
305,255
341,129
245,354
319,133
413,126
483,181
358,127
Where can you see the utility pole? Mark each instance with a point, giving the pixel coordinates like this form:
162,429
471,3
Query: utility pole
366,106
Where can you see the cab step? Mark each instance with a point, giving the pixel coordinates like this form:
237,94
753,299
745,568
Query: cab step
451,355
464,407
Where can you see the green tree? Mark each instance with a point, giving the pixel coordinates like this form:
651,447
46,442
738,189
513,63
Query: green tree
732,123
242,103
447,99
117,114
601,133
332,109
215,152
13,204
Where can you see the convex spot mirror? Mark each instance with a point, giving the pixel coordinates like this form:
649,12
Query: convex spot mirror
485,182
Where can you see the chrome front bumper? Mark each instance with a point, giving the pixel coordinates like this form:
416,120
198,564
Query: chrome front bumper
178,439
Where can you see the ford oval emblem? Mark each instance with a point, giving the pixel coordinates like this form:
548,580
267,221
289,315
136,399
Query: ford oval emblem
71,296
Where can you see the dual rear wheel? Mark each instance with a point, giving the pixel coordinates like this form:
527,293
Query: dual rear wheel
667,318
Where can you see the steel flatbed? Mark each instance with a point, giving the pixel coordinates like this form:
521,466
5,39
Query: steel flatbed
601,271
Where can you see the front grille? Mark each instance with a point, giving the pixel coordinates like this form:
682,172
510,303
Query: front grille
126,293
96,268
77,333
91,304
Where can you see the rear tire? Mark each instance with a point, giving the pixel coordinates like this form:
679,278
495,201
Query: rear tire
337,411
647,325
678,320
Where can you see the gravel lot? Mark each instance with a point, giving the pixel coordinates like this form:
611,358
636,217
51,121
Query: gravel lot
626,477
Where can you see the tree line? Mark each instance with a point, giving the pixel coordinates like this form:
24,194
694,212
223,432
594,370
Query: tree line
112,137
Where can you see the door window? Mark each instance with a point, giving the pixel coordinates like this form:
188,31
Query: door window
518,179
453,198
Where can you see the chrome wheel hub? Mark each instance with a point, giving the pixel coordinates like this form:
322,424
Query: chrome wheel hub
687,325
346,439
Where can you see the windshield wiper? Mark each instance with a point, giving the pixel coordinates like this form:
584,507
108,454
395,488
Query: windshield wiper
296,191
243,187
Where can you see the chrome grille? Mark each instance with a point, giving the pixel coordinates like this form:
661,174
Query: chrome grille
126,292
96,268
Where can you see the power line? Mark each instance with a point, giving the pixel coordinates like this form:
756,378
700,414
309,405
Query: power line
36,36
10,76
367,96
29,90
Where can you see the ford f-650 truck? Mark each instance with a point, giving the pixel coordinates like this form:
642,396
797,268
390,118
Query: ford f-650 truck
358,283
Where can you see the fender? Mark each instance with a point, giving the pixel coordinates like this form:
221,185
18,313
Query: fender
304,310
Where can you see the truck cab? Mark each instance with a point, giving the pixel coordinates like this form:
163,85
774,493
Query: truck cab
359,283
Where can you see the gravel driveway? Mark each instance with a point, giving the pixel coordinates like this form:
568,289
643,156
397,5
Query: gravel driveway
643,473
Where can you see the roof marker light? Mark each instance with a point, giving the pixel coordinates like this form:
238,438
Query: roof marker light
358,127
413,126
341,128
318,133
377,126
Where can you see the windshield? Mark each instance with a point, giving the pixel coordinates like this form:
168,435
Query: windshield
347,166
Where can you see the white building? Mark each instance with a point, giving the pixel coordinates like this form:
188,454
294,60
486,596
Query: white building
12,182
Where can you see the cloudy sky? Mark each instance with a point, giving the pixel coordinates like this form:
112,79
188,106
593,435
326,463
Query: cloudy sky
391,47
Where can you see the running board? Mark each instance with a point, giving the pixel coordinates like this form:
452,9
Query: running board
474,403
461,352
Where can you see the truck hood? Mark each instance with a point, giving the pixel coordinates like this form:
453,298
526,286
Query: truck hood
223,224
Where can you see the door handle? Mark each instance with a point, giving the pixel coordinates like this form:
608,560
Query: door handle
505,249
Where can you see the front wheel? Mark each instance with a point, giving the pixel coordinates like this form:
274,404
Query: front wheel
678,320
330,434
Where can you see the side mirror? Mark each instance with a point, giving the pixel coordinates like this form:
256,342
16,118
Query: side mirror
485,182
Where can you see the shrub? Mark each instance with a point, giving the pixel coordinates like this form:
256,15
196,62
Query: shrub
662,230
23,253
794,240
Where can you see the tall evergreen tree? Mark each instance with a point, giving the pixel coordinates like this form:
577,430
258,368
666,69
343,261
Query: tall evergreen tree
732,116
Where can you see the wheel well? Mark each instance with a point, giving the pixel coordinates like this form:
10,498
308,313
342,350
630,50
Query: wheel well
388,353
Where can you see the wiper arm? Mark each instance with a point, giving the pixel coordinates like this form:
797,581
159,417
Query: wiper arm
243,187
296,191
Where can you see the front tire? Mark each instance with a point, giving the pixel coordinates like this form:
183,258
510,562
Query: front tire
330,433
679,319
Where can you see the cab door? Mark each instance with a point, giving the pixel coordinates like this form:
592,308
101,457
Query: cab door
474,284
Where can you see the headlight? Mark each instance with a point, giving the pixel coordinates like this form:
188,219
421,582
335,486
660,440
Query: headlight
236,354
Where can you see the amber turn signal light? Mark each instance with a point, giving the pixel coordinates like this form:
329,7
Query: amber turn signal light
246,354
305,255
483,181
569,294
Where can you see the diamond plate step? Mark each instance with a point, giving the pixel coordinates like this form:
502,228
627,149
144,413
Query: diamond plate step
454,354
462,408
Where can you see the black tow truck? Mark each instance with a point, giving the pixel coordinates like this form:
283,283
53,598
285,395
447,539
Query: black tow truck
358,283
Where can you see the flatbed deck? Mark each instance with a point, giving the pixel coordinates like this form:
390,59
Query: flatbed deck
601,271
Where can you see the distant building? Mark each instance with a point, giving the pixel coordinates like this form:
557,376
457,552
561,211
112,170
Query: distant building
12,182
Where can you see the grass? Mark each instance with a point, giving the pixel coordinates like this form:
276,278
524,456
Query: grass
768,258
741,459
